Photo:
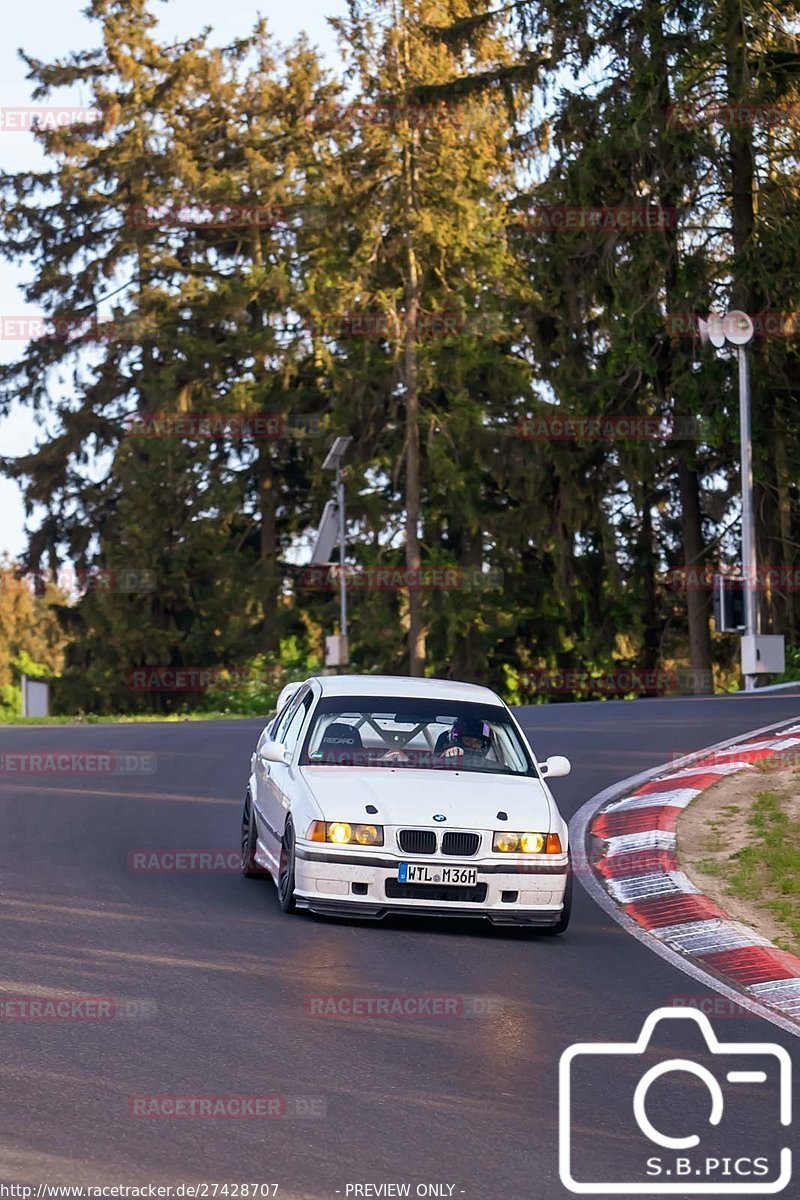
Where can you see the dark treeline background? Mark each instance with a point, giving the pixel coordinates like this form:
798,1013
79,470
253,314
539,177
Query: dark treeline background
423,190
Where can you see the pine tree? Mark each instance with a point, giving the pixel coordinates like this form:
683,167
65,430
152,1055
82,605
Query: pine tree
424,205
197,328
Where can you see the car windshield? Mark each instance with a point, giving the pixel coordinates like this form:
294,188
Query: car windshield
364,731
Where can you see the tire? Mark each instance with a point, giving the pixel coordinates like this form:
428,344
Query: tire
562,924
250,868
286,866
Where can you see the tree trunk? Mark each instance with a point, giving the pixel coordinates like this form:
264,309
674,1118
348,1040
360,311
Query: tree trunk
746,292
416,631
783,480
651,649
742,163
688,481
696,597
266,476
268,549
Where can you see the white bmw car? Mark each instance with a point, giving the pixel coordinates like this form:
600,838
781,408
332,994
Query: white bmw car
371,795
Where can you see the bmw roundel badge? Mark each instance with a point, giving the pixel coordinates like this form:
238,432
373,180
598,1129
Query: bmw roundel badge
439,817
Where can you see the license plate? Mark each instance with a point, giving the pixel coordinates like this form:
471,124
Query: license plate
428,873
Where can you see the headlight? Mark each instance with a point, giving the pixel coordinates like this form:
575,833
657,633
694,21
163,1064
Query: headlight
526,843
507,842
341,833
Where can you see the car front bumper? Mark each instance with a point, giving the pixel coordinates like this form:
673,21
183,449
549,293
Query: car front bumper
357,884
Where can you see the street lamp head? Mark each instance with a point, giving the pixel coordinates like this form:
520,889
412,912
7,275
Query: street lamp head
712,330
739,328
333,459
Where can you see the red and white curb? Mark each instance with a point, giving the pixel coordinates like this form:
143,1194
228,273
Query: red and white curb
631,868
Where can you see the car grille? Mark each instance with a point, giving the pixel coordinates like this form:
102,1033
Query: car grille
417,841
434,891
462,844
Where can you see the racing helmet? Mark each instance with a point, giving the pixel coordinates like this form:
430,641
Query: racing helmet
474,728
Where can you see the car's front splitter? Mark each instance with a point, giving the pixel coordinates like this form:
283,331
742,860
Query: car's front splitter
365,911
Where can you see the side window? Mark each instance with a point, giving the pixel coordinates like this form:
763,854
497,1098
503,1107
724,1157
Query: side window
282,723
291,735
271,731
268,732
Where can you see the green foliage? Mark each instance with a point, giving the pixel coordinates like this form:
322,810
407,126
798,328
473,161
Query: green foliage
31,638
263,678
404,186
768,868
792,665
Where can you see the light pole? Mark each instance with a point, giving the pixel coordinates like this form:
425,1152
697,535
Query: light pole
749,559
333,462
736,329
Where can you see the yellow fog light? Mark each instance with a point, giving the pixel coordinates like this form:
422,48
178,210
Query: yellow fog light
505,841
532,843
339,832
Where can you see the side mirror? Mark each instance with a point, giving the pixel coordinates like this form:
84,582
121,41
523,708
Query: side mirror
274,752
555,766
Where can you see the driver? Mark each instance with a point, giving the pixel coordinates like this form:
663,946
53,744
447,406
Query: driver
469,736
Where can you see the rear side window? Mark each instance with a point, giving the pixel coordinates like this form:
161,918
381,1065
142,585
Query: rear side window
292,733
284,720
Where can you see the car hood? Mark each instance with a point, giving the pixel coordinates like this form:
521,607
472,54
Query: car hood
467,800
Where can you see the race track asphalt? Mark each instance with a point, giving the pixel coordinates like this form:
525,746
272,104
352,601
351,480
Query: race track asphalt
223,983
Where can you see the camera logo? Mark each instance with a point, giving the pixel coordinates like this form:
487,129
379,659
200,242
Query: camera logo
697,1116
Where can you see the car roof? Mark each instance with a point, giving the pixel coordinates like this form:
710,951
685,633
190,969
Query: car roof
386,686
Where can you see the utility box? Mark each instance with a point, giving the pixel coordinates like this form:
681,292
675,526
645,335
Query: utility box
35,697
763,654
336,651
728,604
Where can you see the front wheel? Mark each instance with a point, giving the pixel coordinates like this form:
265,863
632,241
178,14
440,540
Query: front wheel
286,870
562,924
250,868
